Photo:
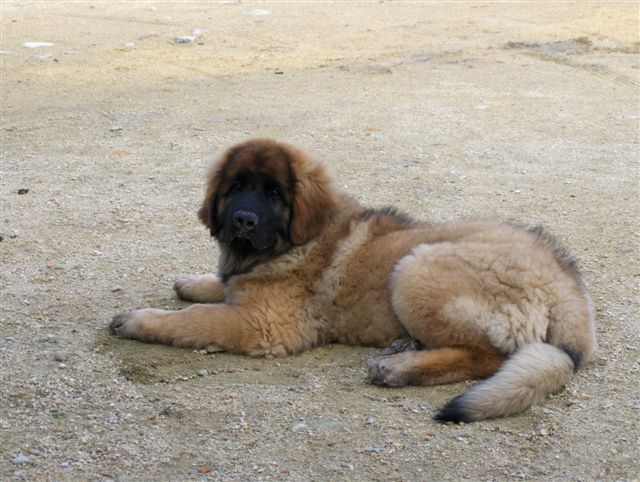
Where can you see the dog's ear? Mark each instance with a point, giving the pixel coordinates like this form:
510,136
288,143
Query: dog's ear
314,199
208,212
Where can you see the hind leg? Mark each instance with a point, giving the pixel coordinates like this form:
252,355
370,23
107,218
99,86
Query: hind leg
438,301
433,367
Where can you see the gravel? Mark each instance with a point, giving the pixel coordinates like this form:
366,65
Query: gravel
419,105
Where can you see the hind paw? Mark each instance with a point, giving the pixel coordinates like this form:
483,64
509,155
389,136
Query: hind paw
392,371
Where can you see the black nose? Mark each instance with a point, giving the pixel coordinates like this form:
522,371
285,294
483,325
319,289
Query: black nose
245,221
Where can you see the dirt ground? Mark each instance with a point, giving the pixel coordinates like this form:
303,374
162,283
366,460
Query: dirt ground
526,111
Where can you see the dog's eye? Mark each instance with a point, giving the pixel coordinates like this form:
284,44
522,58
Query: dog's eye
273,194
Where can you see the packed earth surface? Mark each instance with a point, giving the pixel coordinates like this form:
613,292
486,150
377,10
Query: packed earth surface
111,112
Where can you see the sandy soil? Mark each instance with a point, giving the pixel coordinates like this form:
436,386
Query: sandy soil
524,111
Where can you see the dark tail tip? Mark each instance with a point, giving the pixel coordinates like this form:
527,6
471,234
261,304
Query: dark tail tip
453,411
576,357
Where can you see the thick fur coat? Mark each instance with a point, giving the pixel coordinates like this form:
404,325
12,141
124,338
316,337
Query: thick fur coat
303,264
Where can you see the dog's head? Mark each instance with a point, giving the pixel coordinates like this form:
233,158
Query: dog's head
264,196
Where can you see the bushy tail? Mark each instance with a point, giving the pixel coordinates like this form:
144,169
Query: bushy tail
527,377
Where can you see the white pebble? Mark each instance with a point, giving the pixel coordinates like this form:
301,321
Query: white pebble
61,356
260,12
35,45
299,427
20,459
185,39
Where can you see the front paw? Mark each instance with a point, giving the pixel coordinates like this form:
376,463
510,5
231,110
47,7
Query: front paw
206,288
184,287
137,324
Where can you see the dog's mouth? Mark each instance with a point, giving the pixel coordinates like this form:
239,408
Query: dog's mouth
242,242
249,243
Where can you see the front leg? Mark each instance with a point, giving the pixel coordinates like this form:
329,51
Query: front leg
206,288
233,328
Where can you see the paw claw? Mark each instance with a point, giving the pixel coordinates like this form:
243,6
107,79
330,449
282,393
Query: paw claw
118,322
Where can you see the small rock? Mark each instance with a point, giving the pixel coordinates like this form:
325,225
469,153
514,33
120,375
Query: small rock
298,427
69,265
23,190
233,394
115,128
214,349
259,12
185,39
36,45
61,356
11,233
202,373
20,459
369,420
205,470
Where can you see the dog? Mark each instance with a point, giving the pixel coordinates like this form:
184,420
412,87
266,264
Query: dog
304,264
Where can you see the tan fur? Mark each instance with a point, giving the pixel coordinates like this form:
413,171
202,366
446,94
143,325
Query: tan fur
472,293
206,288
